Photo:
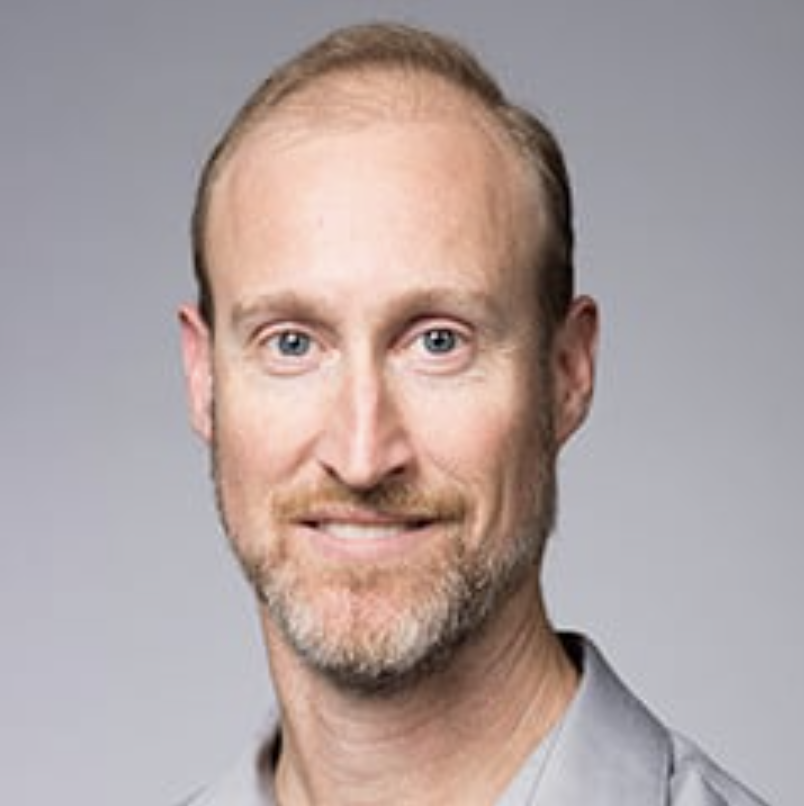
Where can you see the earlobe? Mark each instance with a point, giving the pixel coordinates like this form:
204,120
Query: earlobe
196,346
574,361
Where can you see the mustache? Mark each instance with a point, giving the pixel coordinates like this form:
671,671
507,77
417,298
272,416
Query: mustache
394,500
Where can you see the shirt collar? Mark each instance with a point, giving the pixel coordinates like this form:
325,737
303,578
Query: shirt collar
611,750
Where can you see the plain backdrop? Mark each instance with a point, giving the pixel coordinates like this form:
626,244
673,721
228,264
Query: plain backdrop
132,669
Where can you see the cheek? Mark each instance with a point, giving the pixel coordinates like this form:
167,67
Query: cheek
262,434
481,436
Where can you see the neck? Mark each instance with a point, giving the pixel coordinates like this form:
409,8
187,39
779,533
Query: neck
458,736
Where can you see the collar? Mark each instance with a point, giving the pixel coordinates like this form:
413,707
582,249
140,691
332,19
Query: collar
611,750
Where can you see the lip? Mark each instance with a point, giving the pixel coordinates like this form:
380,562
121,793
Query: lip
360,534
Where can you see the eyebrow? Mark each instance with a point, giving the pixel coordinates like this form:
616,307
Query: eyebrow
288,304
475,306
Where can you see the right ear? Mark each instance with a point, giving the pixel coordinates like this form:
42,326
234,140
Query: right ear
196,348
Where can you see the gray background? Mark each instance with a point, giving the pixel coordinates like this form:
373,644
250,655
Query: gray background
132,668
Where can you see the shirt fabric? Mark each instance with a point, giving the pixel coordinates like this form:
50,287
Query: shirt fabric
607,750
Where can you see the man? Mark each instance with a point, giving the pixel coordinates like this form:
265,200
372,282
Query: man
386,358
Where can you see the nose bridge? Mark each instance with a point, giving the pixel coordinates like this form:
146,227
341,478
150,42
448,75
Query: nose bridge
365,438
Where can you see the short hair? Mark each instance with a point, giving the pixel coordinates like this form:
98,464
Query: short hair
396,47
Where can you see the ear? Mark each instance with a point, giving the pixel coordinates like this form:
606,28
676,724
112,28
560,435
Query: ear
574,356
196,347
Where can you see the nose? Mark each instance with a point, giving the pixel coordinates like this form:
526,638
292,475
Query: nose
364,439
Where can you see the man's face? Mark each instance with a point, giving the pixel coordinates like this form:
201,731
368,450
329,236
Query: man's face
375,391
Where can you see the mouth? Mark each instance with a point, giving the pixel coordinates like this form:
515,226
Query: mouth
351,530
362,533
365,526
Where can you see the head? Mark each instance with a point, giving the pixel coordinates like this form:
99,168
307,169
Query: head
386,355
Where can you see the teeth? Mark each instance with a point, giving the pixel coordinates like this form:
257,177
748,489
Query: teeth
358,531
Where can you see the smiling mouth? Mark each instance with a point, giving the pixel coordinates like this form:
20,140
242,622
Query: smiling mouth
366,530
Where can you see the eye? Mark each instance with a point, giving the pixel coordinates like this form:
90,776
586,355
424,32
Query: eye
440,348
291,343
440,340
289,351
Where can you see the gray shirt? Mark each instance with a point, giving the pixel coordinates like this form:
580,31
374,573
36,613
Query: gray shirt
608,750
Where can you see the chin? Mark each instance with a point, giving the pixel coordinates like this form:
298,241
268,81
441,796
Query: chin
379,633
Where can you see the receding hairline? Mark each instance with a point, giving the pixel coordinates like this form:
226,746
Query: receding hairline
355,98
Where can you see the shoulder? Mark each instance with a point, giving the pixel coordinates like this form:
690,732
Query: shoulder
613,751
696,780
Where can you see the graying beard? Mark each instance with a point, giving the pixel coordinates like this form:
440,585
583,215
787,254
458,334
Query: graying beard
482,594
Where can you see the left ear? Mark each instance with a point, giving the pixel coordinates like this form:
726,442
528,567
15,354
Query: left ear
573,360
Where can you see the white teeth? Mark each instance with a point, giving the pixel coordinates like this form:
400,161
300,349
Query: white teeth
362,531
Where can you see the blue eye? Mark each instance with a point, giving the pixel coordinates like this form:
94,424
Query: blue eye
293,343
287,350
440,340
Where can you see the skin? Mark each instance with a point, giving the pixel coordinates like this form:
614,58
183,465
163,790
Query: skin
376,329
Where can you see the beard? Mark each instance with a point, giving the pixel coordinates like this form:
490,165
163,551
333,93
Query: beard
372,627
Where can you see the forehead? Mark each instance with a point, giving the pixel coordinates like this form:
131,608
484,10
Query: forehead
339,104
400,161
